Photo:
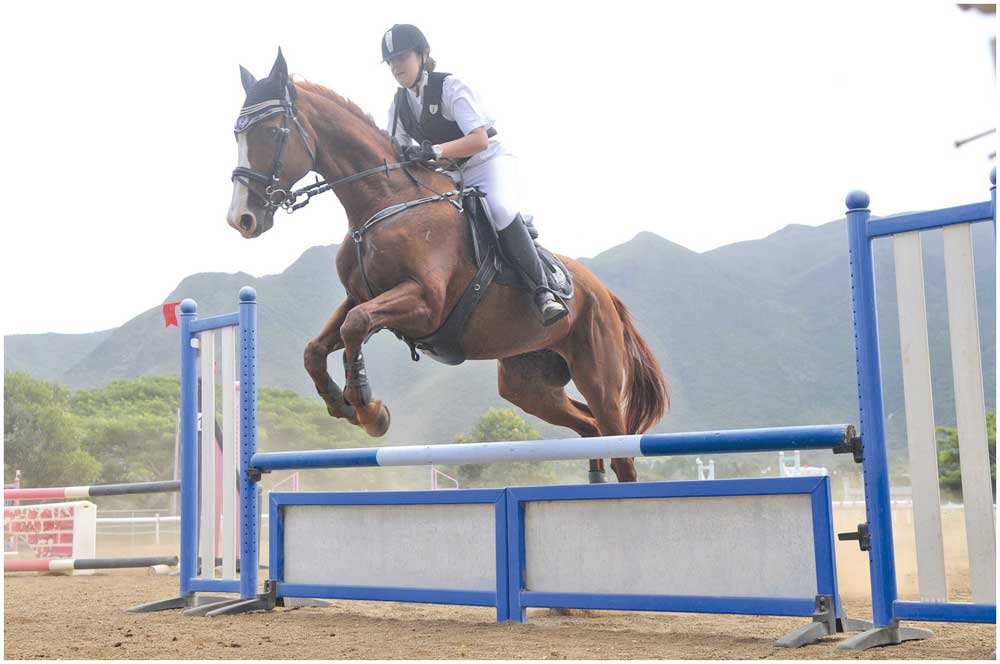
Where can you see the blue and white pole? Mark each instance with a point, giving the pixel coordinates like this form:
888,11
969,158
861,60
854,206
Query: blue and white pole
658,444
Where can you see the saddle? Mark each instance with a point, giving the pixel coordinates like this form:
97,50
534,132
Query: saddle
445,343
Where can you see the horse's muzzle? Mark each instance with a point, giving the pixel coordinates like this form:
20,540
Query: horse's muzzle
250,225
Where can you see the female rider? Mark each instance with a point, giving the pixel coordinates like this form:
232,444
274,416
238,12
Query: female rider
447,121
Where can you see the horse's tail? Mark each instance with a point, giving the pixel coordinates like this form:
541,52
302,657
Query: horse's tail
647,395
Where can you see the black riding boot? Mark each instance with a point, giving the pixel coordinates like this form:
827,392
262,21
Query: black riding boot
519,248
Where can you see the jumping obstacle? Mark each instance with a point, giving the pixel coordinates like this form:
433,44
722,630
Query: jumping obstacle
92,491
875,536
547,546
52,531
9,542
63,536
71,564
507,548
792,466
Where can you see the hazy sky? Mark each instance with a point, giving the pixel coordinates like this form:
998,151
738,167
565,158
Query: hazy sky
706,123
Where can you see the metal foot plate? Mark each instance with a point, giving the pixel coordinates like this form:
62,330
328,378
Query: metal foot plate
884,636
176,603
825,623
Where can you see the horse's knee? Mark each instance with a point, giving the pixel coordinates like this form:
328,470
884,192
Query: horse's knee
355,326
314,354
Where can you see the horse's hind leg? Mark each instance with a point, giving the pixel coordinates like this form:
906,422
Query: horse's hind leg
535,382
601,382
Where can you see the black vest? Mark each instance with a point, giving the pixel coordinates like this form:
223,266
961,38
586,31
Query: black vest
432,126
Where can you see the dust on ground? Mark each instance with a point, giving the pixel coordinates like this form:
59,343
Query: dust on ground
83,617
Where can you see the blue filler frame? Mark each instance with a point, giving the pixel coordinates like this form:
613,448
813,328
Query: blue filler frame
497,497
511,599
823,537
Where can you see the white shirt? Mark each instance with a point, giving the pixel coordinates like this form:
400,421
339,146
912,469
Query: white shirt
458,104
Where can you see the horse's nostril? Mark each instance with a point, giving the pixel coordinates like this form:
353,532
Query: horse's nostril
247,222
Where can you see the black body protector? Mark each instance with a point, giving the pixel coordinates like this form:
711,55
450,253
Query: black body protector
432,125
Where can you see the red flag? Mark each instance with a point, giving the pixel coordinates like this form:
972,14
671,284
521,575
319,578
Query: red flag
170,314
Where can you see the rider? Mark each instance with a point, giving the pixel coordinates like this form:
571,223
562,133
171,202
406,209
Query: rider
444,116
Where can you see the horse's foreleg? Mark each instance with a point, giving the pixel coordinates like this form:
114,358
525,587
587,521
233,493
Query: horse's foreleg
316,353
402,307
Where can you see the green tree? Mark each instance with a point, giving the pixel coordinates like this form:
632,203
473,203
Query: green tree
948,460
498,425
124,431
42,436
129,426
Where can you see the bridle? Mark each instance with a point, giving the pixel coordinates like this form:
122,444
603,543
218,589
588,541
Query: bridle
273,196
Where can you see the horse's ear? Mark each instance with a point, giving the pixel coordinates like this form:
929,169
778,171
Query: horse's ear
279,72
247,79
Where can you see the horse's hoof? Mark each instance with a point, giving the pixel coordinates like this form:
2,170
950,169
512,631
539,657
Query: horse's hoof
380,424
598,477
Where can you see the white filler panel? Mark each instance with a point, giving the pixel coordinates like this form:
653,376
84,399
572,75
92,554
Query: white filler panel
449,547
745,546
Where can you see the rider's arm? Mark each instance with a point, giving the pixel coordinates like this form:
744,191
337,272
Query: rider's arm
473,142
461,104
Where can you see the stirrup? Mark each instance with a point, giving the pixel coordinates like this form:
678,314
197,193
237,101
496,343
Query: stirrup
550,308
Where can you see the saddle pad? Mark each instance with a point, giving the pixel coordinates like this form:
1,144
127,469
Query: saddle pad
484,236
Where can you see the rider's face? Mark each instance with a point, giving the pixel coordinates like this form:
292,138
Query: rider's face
405,68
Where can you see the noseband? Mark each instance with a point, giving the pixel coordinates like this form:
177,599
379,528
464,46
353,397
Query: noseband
273,196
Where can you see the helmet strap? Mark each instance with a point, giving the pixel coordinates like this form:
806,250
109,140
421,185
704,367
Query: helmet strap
420,75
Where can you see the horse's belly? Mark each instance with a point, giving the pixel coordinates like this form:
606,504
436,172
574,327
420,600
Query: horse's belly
504,324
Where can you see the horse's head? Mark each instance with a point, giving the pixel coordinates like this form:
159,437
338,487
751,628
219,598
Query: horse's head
274,151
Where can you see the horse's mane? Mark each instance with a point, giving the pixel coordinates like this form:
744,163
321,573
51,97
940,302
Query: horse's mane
344,102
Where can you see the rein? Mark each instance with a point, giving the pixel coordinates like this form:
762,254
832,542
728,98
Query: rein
275,197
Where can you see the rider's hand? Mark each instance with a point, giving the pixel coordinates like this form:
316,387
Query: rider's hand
422,152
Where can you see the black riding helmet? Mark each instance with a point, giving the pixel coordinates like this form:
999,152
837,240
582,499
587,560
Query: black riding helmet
401,38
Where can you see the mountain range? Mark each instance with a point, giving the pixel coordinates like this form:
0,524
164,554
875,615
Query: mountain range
751,334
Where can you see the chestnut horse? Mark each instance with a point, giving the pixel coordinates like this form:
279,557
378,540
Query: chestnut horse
419,263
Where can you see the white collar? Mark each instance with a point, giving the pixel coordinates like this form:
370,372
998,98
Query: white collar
420,88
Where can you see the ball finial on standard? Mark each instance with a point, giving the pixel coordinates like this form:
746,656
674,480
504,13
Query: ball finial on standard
248,294
857,200
188,306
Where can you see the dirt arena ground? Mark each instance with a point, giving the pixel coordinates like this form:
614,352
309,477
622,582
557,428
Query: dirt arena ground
53,617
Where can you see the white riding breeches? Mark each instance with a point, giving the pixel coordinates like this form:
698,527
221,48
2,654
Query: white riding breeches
498,178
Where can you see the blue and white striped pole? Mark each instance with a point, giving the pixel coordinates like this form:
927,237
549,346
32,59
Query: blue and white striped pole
660,444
